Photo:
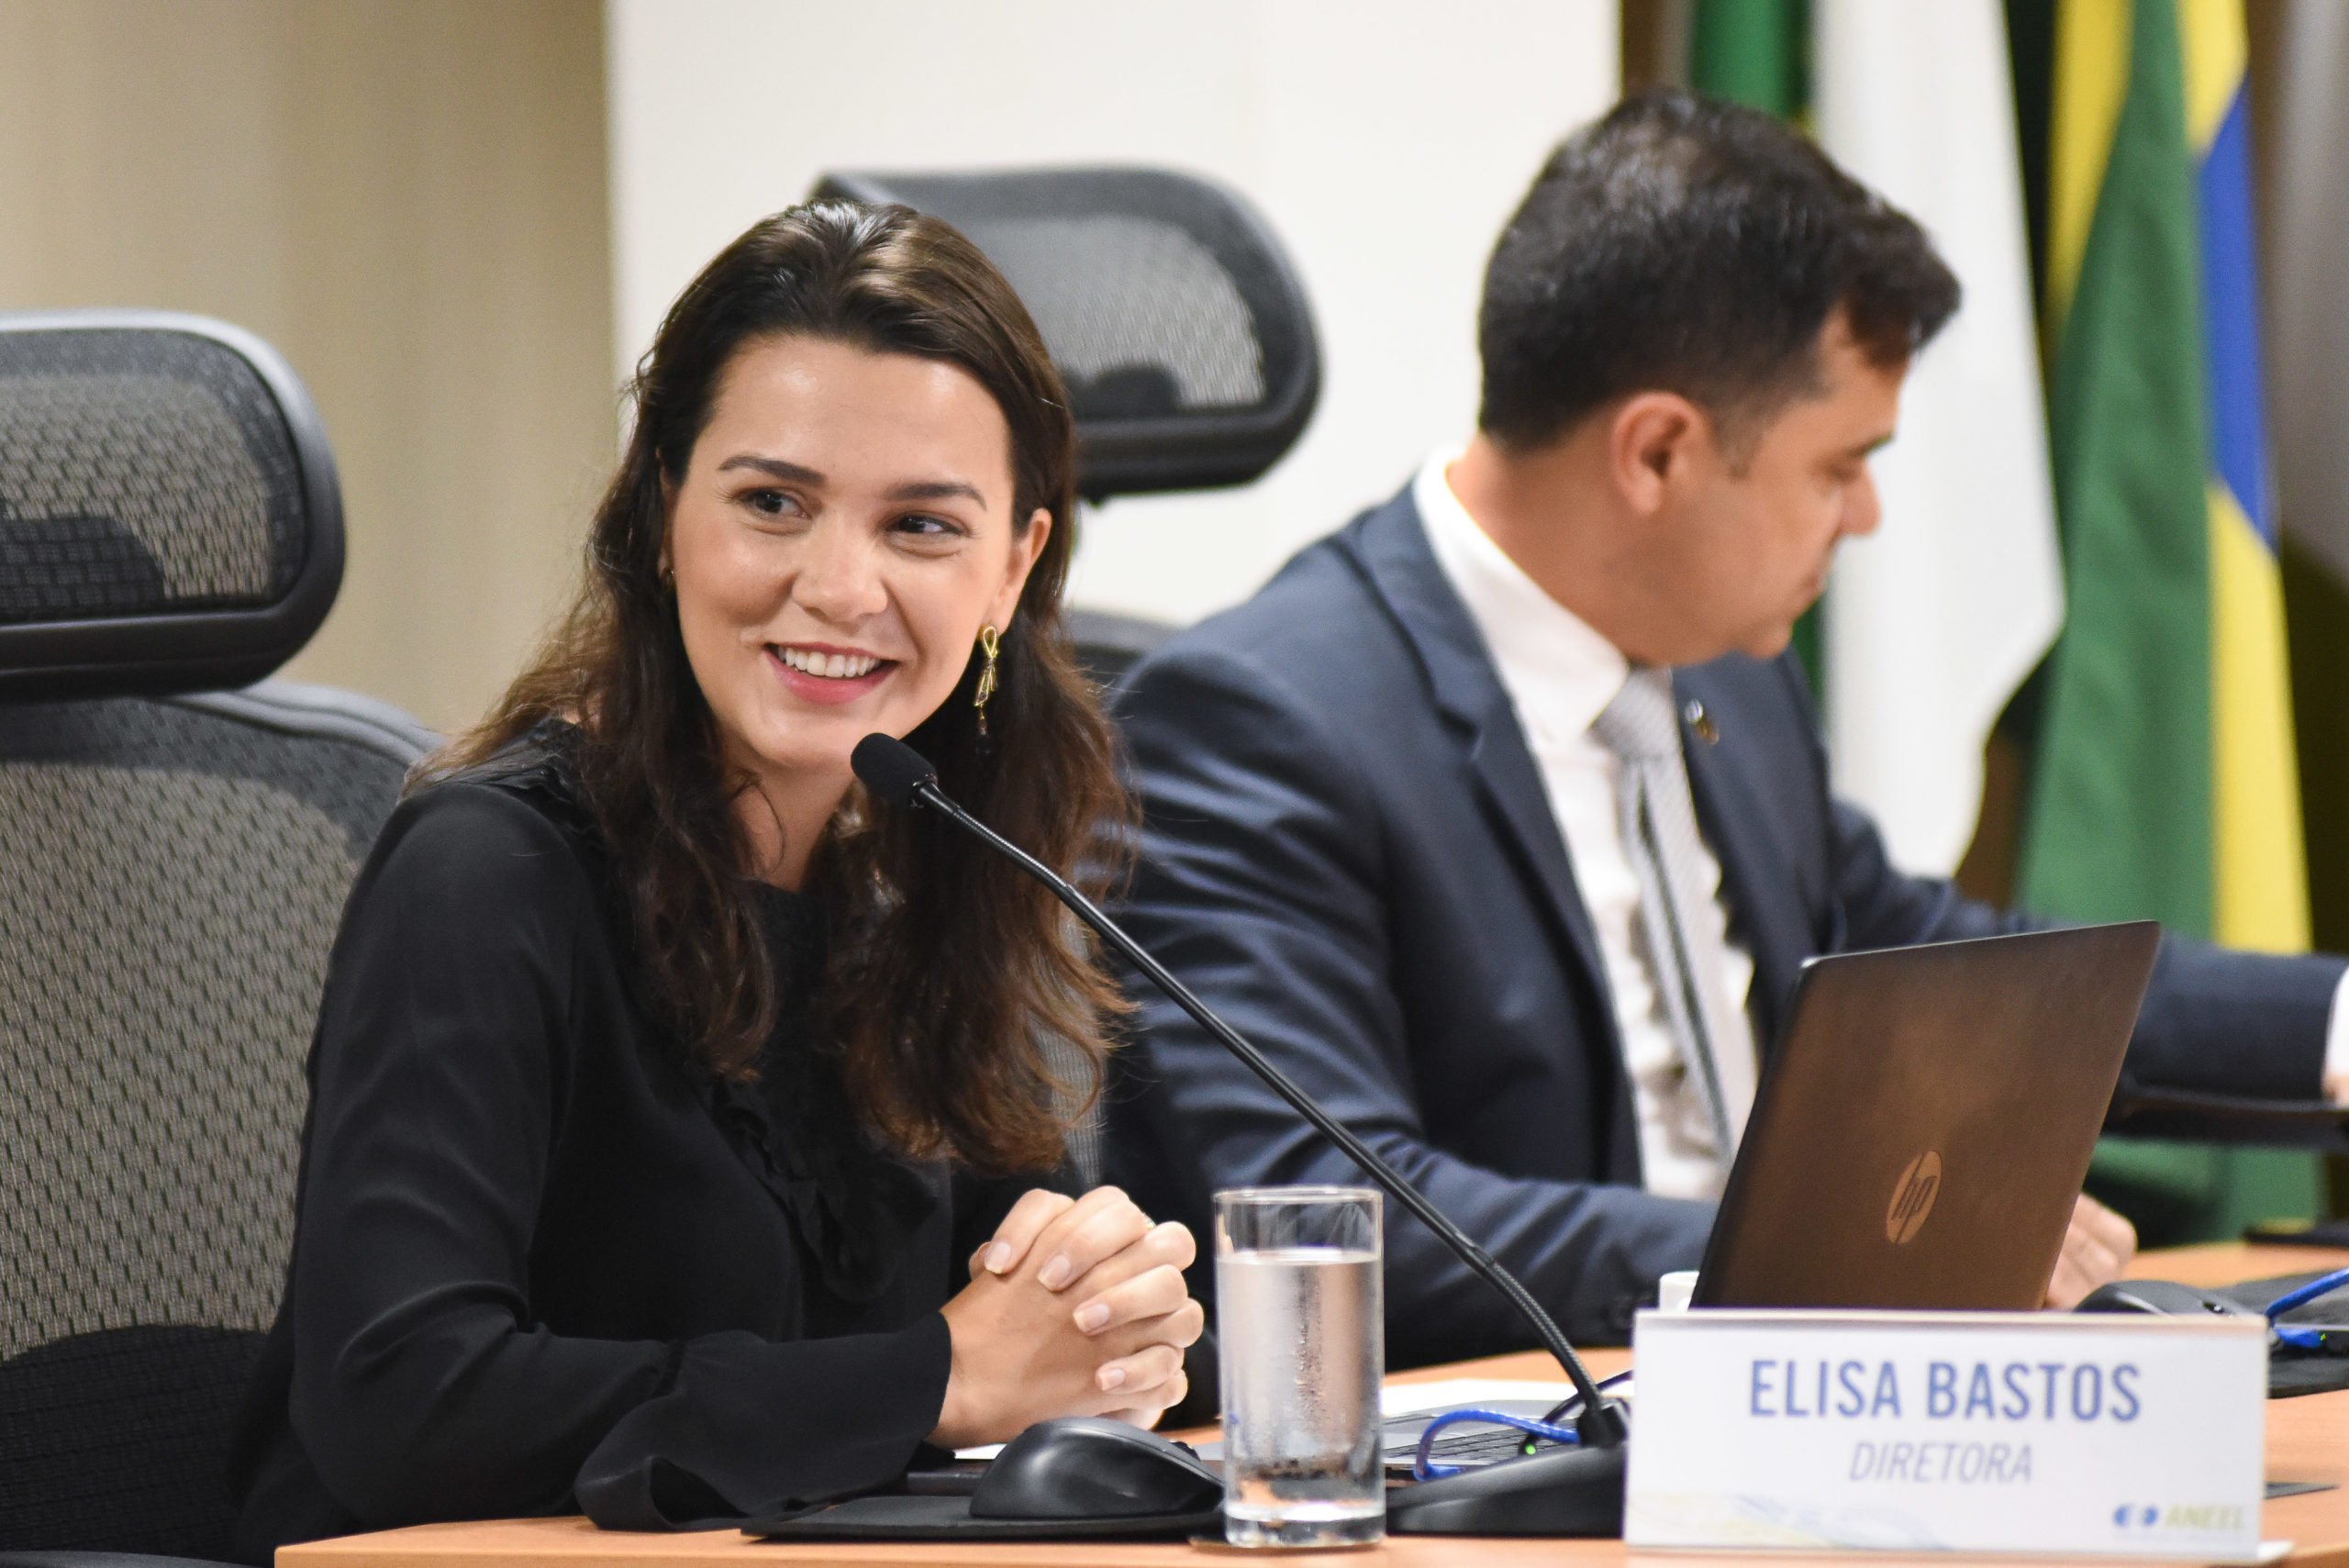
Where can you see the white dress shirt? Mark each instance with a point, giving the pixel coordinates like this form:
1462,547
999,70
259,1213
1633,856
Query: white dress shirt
1559,674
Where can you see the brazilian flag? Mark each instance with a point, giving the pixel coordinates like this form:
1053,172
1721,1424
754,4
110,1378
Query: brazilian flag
2164,780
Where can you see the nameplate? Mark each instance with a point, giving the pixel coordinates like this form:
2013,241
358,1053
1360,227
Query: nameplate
1879,1431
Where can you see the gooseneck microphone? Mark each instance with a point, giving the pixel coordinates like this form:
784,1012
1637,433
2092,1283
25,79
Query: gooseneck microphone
1572,1490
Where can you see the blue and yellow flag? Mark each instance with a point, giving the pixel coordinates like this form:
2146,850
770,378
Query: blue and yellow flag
2164,782
2258,860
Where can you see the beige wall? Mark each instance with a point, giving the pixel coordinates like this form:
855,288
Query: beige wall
409,198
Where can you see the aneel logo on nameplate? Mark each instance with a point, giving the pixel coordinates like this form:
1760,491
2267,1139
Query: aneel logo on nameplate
1942,1431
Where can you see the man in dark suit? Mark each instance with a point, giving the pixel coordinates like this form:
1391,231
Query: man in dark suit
1500,819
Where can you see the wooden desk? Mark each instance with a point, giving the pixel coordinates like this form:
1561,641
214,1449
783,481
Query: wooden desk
2308,1439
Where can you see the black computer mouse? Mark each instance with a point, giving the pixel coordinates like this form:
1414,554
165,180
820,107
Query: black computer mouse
1090,1467
2163,1297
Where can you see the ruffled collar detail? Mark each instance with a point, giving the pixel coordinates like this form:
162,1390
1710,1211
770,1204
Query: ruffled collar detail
854,1207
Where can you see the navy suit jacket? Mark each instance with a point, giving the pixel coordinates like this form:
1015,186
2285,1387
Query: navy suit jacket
1347,851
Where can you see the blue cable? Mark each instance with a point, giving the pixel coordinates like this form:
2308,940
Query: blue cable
2293,1334
1424,1468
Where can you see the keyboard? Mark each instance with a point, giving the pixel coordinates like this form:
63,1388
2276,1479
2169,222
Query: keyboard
1464,1443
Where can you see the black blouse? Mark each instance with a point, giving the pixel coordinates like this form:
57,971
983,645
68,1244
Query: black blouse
543,1263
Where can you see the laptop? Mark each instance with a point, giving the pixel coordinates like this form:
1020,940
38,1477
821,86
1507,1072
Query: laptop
1918,1135
1925,1124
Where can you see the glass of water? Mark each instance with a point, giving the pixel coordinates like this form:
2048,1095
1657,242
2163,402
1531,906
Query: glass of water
1301,1332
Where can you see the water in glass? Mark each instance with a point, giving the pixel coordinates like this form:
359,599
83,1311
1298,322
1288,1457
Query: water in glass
1303,1352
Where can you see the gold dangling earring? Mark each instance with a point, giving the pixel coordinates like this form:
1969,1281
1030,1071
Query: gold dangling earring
990,642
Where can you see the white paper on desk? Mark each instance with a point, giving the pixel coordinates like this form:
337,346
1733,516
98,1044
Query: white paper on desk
1405,1398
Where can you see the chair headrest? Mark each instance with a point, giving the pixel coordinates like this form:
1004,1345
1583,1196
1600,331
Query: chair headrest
1173,315
170,516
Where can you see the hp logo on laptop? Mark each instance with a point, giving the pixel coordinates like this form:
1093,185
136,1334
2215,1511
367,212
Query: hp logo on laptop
1912,1197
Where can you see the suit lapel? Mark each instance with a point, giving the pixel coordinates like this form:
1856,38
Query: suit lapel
1511,784
1392,545
1765,911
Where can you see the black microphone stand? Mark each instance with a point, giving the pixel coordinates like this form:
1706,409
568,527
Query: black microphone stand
1568,1490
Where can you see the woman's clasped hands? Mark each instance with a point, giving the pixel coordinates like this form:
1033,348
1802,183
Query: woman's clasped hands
1076,1306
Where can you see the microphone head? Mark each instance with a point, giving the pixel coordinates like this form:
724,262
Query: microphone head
891,769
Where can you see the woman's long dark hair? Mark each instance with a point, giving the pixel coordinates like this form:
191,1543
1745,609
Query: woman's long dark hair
948,971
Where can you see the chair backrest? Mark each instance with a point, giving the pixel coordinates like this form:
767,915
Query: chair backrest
172,867
170,517
1172,314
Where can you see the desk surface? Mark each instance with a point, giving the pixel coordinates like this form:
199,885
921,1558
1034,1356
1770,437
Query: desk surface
2308,1439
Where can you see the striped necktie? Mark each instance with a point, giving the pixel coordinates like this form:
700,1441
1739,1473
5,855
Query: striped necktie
1658,820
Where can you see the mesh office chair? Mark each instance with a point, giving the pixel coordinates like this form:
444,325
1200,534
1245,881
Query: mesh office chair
1172,314
172,866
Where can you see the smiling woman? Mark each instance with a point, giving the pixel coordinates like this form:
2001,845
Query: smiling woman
683,1141
842,539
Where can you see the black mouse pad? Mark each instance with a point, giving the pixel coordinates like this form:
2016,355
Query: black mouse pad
2294,1489
2330,1310
899,1517
2289,1377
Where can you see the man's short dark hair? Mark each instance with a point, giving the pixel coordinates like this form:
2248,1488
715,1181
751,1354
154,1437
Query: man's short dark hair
1686,245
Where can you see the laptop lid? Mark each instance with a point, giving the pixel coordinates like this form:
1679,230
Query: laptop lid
1921,1131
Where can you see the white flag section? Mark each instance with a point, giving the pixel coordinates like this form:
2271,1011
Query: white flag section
1932,623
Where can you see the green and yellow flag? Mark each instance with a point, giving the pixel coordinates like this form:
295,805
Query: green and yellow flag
2163,781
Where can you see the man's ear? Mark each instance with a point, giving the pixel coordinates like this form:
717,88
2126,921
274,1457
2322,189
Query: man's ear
1650,442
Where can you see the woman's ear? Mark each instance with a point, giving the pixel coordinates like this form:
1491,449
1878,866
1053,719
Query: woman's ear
663,567
1027,549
